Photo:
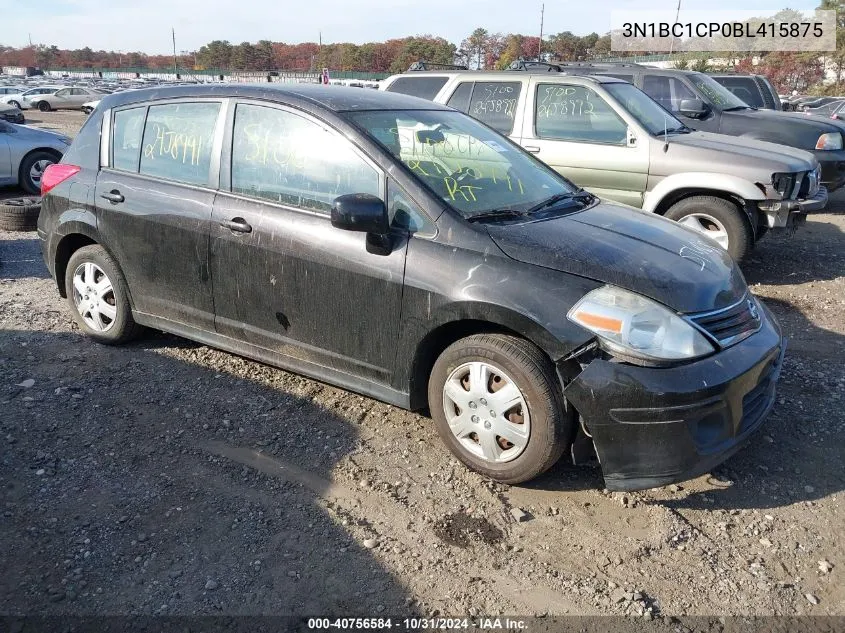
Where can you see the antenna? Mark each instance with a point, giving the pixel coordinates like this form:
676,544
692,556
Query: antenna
175,64
540,43
665,136
672,40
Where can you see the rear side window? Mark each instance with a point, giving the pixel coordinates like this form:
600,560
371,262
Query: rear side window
177,141
460,98
576,113
285,158
745,88
127,130
494,103
424,87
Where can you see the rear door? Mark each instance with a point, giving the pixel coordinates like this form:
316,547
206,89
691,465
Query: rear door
496,103
154,198
573,129
284,278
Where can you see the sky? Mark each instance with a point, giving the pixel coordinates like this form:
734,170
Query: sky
144,25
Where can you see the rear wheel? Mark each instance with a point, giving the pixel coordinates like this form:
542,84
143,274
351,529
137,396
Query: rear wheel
98,296
43,106
718,219
498,407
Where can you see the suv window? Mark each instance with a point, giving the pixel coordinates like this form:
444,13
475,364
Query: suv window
576,113
280,156
177,141
667,91
494,103
424,87
460,98
127,130
745,88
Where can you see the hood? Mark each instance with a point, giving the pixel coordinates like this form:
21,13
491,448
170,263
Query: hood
755,161
6,108
795,129
631,249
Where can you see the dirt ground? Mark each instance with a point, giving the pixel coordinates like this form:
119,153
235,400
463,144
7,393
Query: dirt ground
165,477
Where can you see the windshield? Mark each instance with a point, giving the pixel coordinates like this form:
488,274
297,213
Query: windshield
465,163
716,93
650,114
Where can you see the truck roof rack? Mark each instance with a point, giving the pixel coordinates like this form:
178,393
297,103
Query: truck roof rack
424,65
600,64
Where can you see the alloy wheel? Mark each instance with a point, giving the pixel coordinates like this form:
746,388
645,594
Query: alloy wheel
708,226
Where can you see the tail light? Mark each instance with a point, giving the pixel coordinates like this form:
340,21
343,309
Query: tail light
56,174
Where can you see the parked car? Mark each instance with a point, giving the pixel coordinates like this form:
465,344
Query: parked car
69,98
21,99
26,152
606,135
827,110
89,107
323,229
8,90
755,90
708,106
11,114
815,102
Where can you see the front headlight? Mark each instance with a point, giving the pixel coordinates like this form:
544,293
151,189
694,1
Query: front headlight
633,325
784,184
831,140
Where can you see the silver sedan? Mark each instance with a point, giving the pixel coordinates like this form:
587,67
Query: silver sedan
26,152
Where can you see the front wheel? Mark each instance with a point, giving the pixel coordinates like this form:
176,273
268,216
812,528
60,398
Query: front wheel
98,296
498,407
718,219
15,104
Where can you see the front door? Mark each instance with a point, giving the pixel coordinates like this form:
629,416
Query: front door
578,133
669,91
284,278
154,202
5,153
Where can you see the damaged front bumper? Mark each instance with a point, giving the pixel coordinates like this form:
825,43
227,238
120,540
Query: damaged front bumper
654,426
781,214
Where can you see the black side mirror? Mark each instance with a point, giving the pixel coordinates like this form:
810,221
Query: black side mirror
360,212
694,108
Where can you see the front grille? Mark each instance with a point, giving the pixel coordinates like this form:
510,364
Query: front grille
732,324
757,401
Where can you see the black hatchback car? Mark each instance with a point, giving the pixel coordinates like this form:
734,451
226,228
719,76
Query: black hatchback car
408,252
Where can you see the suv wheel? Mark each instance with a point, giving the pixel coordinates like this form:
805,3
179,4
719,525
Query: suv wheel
98,296
719,219
498,407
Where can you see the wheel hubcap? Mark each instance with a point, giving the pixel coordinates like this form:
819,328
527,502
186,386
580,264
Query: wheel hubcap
37,170
708,226
93,296
486,412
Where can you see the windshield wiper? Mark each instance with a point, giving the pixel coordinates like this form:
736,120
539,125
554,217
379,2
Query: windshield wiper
495,214
550,201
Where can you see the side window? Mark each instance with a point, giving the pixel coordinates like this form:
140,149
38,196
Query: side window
404,213
78,92
576,113
177,141
127,130
423,87
460,98
63,93
667,91
283,157
494,103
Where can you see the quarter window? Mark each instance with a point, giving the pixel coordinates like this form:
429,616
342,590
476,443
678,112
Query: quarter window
283,157
127,131
576,113
177,141
460,98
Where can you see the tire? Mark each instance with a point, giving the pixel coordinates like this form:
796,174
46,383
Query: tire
92,262
32,167
19,214
541,436
14,104
43,106
705,213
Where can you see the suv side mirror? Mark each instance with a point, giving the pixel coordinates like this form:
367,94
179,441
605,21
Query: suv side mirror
360,212
694,108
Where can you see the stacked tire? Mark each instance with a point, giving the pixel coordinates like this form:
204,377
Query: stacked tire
19,214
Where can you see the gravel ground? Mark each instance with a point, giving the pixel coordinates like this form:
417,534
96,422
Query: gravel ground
164,477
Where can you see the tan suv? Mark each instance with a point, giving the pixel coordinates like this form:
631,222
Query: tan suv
609,137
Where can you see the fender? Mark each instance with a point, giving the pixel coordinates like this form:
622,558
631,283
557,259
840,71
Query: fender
702,180
73,221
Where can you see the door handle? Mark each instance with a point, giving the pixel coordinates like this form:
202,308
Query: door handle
531,148
238,225
113,196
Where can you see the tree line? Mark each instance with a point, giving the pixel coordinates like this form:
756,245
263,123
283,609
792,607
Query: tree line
480,49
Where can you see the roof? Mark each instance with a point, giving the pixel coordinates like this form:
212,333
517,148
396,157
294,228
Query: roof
506,75
335,98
